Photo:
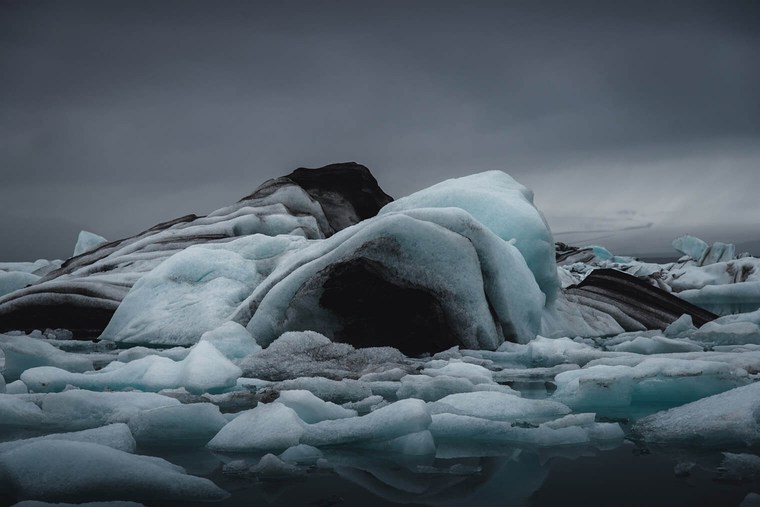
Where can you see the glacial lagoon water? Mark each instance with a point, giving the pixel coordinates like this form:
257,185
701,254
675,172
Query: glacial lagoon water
628,475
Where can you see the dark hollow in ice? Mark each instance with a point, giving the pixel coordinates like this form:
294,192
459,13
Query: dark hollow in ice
375,311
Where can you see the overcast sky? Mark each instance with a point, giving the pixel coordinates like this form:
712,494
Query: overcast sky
632,124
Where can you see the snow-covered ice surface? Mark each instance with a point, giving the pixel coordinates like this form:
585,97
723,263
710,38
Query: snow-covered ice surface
210,385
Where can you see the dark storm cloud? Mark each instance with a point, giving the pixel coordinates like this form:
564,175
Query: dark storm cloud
117,115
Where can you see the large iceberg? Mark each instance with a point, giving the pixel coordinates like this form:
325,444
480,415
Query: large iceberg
436,349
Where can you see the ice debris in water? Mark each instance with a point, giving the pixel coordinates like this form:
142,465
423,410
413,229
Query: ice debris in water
307,399
23,353
204,369
76,409
312,354
117,436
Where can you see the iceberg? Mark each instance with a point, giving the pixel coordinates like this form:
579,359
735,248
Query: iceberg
416,348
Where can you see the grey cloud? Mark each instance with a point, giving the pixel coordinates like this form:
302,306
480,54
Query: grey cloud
185,103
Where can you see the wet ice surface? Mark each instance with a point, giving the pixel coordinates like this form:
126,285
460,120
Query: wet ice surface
527,424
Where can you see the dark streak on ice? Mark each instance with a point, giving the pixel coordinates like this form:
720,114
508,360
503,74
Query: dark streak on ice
652,307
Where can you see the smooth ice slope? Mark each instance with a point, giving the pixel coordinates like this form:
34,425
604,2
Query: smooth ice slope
503,205
729,418
63,470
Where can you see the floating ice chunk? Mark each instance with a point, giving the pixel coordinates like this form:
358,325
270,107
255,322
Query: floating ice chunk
499,407
336,391
232,340
751,500
420,443
547,352
275,426
680,328
301,454
531,374
728,418
15,280
656,345
312,409
432,388
18,413
272,467
135,353
503,205
87,241
312,354
719,252
266,427
691,246
731,333
459,427
204,369
385,423
117,436
191,425
725,299
366,405
36,267
394,374
77,409
24,352
739,467
207,370
63,470
472,372
654,382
